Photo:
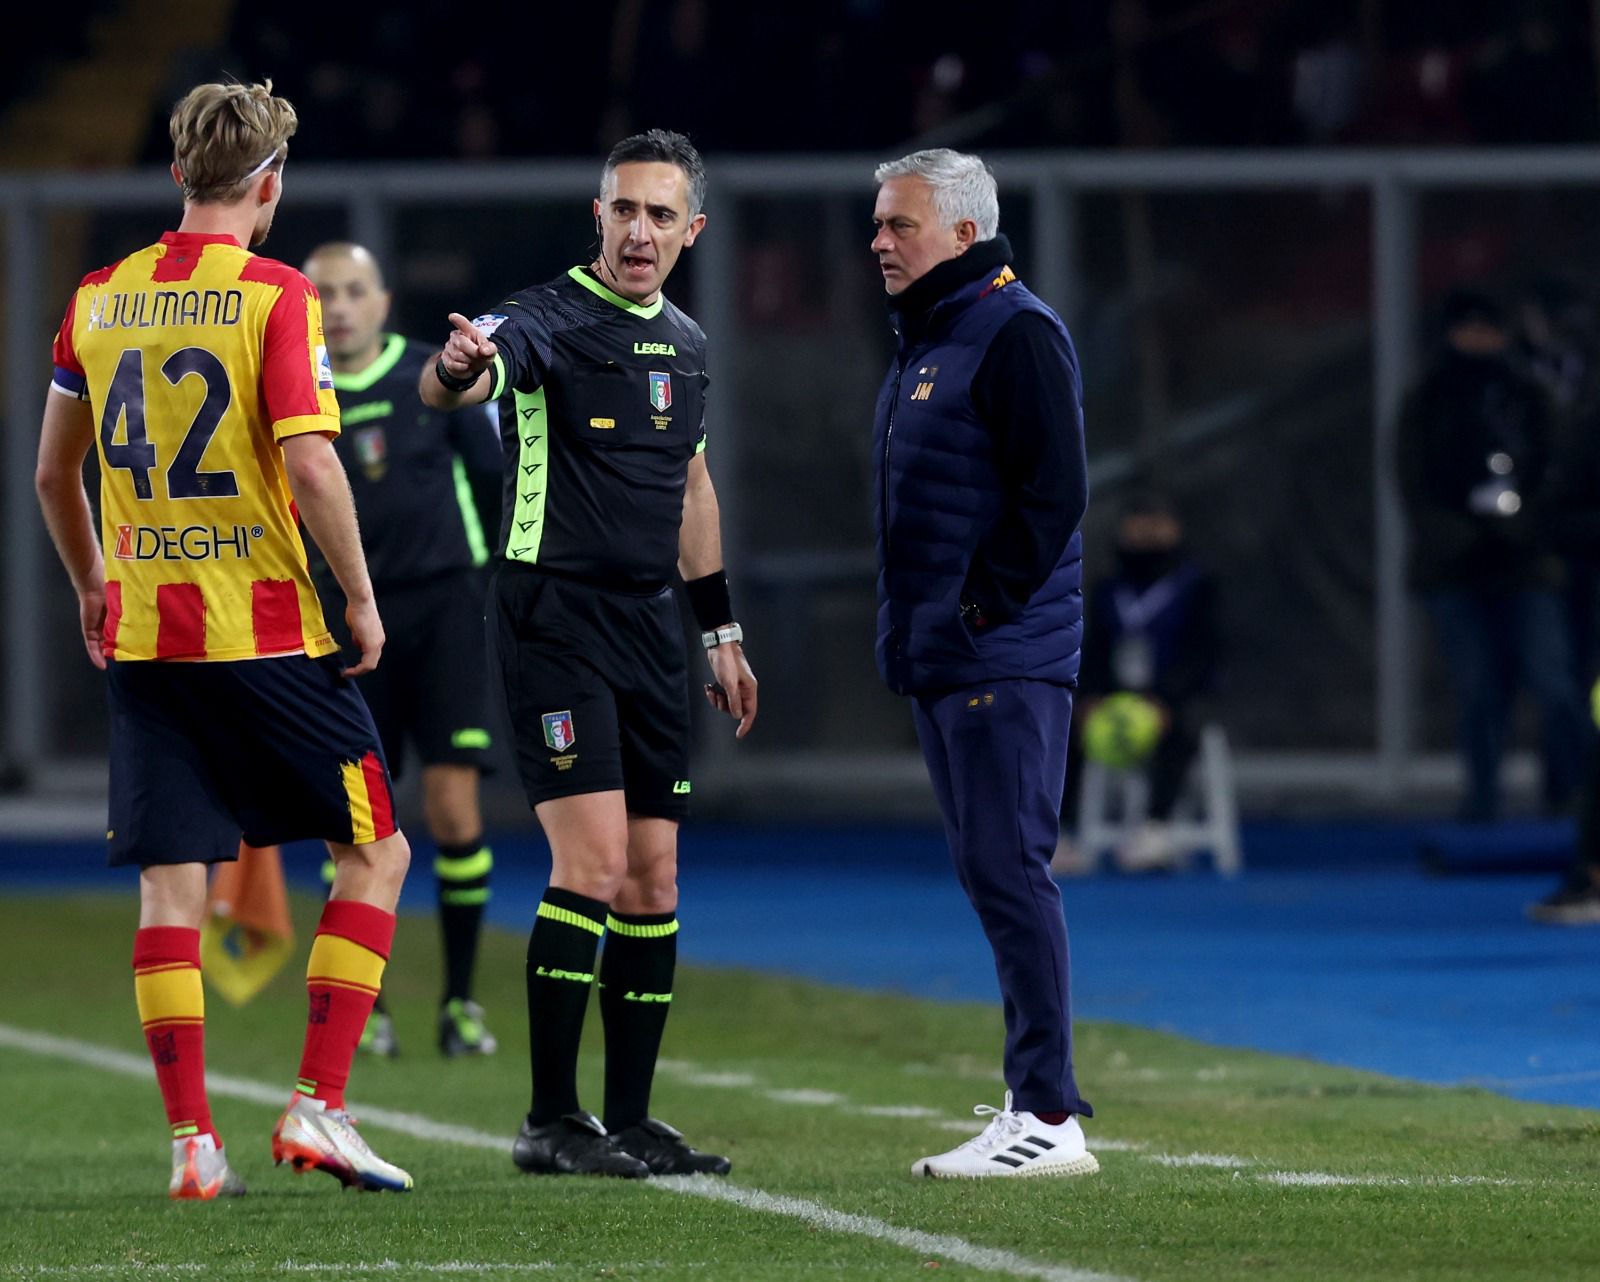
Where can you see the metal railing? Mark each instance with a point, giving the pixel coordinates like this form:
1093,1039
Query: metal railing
1055,185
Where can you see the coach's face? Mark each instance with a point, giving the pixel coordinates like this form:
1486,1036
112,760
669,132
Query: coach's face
644,223
911,238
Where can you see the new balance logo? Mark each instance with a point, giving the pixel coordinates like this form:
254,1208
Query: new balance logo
164,1048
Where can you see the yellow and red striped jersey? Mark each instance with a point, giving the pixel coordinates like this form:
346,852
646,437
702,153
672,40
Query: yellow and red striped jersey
198,358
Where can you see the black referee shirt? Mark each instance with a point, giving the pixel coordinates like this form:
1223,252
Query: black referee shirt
602,406
421,477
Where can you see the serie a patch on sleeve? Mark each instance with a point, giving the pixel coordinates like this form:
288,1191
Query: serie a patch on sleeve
489,322
324,369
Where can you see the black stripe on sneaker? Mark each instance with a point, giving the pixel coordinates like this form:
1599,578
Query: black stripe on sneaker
1009,1161
1026,1152
1044,1144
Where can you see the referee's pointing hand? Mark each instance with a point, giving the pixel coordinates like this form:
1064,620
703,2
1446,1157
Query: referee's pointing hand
467,351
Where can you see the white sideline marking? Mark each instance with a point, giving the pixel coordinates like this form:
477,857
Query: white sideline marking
1226,1161
805,1096
898,1110
1321,1179
990,1259
721,1081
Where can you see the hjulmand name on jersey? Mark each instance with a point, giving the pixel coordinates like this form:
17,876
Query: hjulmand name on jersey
147,309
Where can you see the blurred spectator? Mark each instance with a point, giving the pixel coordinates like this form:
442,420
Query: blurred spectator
1475,445
1149,629
1329,77
1570,520
851,74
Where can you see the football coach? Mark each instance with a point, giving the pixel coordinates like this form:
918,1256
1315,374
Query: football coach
981,485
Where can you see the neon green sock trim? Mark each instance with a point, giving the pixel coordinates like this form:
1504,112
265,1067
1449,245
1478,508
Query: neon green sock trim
466,868
184,1129
464,898
647,997
306,1086
654,930
567,917
472,736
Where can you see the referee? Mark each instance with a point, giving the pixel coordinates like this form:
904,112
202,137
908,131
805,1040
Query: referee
602,383
420,479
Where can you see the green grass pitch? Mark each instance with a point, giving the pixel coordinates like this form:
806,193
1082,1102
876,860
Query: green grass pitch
1215,1164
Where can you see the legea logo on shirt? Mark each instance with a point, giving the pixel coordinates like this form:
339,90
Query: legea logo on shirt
324,369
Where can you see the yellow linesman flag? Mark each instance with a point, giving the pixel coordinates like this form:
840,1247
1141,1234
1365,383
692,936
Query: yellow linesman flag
247,935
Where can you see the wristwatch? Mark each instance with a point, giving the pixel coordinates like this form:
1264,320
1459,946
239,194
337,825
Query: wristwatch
721,636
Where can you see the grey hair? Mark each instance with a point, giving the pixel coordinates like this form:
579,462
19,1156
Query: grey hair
963,186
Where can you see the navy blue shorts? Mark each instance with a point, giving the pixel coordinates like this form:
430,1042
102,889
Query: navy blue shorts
273,750
432,688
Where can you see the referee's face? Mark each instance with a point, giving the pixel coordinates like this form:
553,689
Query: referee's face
910,238
643,217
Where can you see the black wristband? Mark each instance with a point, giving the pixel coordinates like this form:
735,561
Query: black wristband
450,382
709,599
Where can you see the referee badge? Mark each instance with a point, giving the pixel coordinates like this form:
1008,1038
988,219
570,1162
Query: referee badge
558,730
660,391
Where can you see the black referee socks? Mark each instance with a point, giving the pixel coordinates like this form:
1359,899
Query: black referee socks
561,951
462,872
635,997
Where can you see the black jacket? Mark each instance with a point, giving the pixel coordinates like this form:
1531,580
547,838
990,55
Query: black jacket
1475,427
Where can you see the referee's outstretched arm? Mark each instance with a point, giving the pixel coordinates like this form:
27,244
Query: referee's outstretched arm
733,689
467,355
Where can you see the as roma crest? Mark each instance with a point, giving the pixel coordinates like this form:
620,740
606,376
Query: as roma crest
660,391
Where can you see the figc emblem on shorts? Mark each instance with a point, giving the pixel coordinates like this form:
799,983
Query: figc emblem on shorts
660,391
558,730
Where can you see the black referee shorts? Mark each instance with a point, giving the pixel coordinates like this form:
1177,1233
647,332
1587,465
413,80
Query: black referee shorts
431,686
596,685
277,750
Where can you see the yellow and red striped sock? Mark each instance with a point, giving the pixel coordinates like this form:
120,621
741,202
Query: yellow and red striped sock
343,977
172,1009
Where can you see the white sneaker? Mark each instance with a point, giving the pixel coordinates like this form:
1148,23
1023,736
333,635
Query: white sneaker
1013,1144
313,1137
200,1171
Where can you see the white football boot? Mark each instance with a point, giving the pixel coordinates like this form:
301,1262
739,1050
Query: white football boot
1013,1144
313,1137
200,1171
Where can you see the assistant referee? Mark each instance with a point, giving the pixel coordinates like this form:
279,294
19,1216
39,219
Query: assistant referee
425,484
602,383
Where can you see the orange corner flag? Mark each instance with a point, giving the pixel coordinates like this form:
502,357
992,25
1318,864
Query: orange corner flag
247,935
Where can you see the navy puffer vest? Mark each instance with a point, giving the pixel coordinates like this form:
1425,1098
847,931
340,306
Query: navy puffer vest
938,491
